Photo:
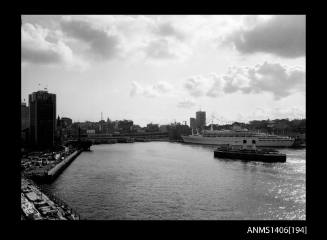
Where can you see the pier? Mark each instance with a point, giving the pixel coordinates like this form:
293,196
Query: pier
57,169
38,167
35,205
46,167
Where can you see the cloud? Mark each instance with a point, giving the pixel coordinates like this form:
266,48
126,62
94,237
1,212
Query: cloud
106,37
162,87
264,113
186,104
164,48
216,89
281,81
195,86
159,49
151,91
136,89
210,85
275,113
168,30
291,113
101,44
282,35
276,79
40,47
156,38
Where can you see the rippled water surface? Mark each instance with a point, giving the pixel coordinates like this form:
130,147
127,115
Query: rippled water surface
162,180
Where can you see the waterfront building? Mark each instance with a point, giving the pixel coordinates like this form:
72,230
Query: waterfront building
163,128
125,126
200,119
115,123
176,130
66,122
192,123
101,125
90,131
152,127
42,118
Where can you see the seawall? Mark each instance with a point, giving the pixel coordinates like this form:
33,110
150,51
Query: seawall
56,170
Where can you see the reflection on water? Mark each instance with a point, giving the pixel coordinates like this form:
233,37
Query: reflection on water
161,180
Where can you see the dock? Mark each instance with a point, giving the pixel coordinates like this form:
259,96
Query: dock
43,169
35,205
57,169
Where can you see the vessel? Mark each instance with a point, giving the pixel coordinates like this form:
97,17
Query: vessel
236,137
249,153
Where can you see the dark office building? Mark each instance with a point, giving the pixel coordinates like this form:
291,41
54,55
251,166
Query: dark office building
42,118
25,123
25,117
200,119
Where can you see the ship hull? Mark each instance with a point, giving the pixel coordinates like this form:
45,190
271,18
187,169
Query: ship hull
196,139
250,156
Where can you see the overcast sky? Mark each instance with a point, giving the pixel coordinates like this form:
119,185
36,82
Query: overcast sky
164,68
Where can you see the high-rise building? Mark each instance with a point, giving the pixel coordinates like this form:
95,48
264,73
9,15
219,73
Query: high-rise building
42,118
200,119
192,123
25,124
25,117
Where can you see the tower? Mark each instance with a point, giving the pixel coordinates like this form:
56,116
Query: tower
42,118
200,119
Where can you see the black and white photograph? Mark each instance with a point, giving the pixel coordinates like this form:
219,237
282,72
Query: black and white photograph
163,117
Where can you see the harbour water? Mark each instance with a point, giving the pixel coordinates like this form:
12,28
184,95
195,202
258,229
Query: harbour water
170,181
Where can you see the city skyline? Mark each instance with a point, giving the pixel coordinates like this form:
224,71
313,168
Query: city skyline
164,68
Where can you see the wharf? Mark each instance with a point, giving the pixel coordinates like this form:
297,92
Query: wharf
36,205
51,170
57,169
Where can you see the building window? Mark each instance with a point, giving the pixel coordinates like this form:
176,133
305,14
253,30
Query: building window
253,141
244,141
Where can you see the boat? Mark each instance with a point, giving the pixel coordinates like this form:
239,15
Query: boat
249,153
235,136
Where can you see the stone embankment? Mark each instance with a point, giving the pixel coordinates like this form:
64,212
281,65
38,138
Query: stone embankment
57,169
